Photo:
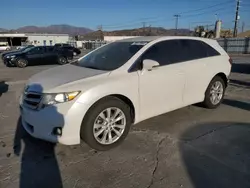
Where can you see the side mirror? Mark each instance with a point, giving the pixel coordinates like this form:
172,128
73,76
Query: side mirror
149,64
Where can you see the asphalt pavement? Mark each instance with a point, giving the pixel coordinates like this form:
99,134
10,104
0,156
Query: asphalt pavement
192,147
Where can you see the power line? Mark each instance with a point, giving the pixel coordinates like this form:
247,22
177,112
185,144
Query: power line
207,7
207,12
157,18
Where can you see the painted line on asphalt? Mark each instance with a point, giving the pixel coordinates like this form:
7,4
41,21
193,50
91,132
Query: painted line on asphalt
16,82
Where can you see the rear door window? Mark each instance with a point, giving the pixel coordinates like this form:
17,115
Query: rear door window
192,49
195,49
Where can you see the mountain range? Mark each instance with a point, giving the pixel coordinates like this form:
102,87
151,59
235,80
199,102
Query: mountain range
73,30
58,29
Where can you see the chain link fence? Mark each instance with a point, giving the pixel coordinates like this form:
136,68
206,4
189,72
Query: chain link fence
230,45
235,45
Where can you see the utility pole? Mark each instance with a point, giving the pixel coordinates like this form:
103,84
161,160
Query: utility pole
176,22
99,29
207,27
243,27
236,18
143,26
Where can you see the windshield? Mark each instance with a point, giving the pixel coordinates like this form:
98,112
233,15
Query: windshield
111,56
24,48
28,48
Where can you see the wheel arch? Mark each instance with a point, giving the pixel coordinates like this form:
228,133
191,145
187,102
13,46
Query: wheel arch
123,98
223,77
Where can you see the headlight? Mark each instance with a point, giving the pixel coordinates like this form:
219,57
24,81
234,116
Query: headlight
54,98
12,56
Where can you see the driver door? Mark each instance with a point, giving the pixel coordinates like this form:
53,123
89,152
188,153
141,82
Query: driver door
35,56
161,89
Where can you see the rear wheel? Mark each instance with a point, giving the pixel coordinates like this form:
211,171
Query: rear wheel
106,124
214,93
62,60
21,63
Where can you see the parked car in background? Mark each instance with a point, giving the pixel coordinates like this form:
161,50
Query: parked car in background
65,46
4,47
98,97
61,45
74,50
14,51
38,55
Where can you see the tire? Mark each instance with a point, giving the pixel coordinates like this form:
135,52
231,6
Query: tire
62,60
92,117
208,101
21,63
74,54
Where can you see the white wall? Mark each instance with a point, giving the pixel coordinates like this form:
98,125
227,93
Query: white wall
50,39
115,38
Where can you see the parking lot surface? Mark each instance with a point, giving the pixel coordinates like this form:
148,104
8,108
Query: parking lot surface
192,147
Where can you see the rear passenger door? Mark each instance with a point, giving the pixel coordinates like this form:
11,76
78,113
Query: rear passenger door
196,55
50,55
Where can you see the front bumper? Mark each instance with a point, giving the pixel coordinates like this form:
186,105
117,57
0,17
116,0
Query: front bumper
67,116
9,61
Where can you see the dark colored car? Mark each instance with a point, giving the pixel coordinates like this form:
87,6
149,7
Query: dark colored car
38,55
15,51
74,50
61,45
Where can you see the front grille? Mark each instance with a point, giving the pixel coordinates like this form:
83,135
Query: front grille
32,100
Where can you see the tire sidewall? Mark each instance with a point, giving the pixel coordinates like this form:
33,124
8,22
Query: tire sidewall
207,100
89,119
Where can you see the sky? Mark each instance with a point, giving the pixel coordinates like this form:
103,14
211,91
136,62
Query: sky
122,14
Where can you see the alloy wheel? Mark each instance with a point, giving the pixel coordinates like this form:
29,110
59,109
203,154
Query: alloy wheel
109,125
216,92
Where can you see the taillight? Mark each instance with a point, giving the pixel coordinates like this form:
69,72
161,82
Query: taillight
230,60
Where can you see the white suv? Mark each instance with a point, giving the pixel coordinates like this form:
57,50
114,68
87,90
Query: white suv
99,96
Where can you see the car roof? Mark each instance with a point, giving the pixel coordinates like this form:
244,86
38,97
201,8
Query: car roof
152,38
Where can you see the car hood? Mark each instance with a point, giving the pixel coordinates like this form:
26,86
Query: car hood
58,76
12,53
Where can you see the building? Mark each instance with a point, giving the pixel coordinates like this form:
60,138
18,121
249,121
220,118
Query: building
17,39
115,38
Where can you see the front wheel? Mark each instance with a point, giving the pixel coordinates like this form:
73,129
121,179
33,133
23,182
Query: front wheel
106,124
21,63
214,93
62,60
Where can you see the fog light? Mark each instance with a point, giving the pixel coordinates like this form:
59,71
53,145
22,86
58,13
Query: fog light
57,131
